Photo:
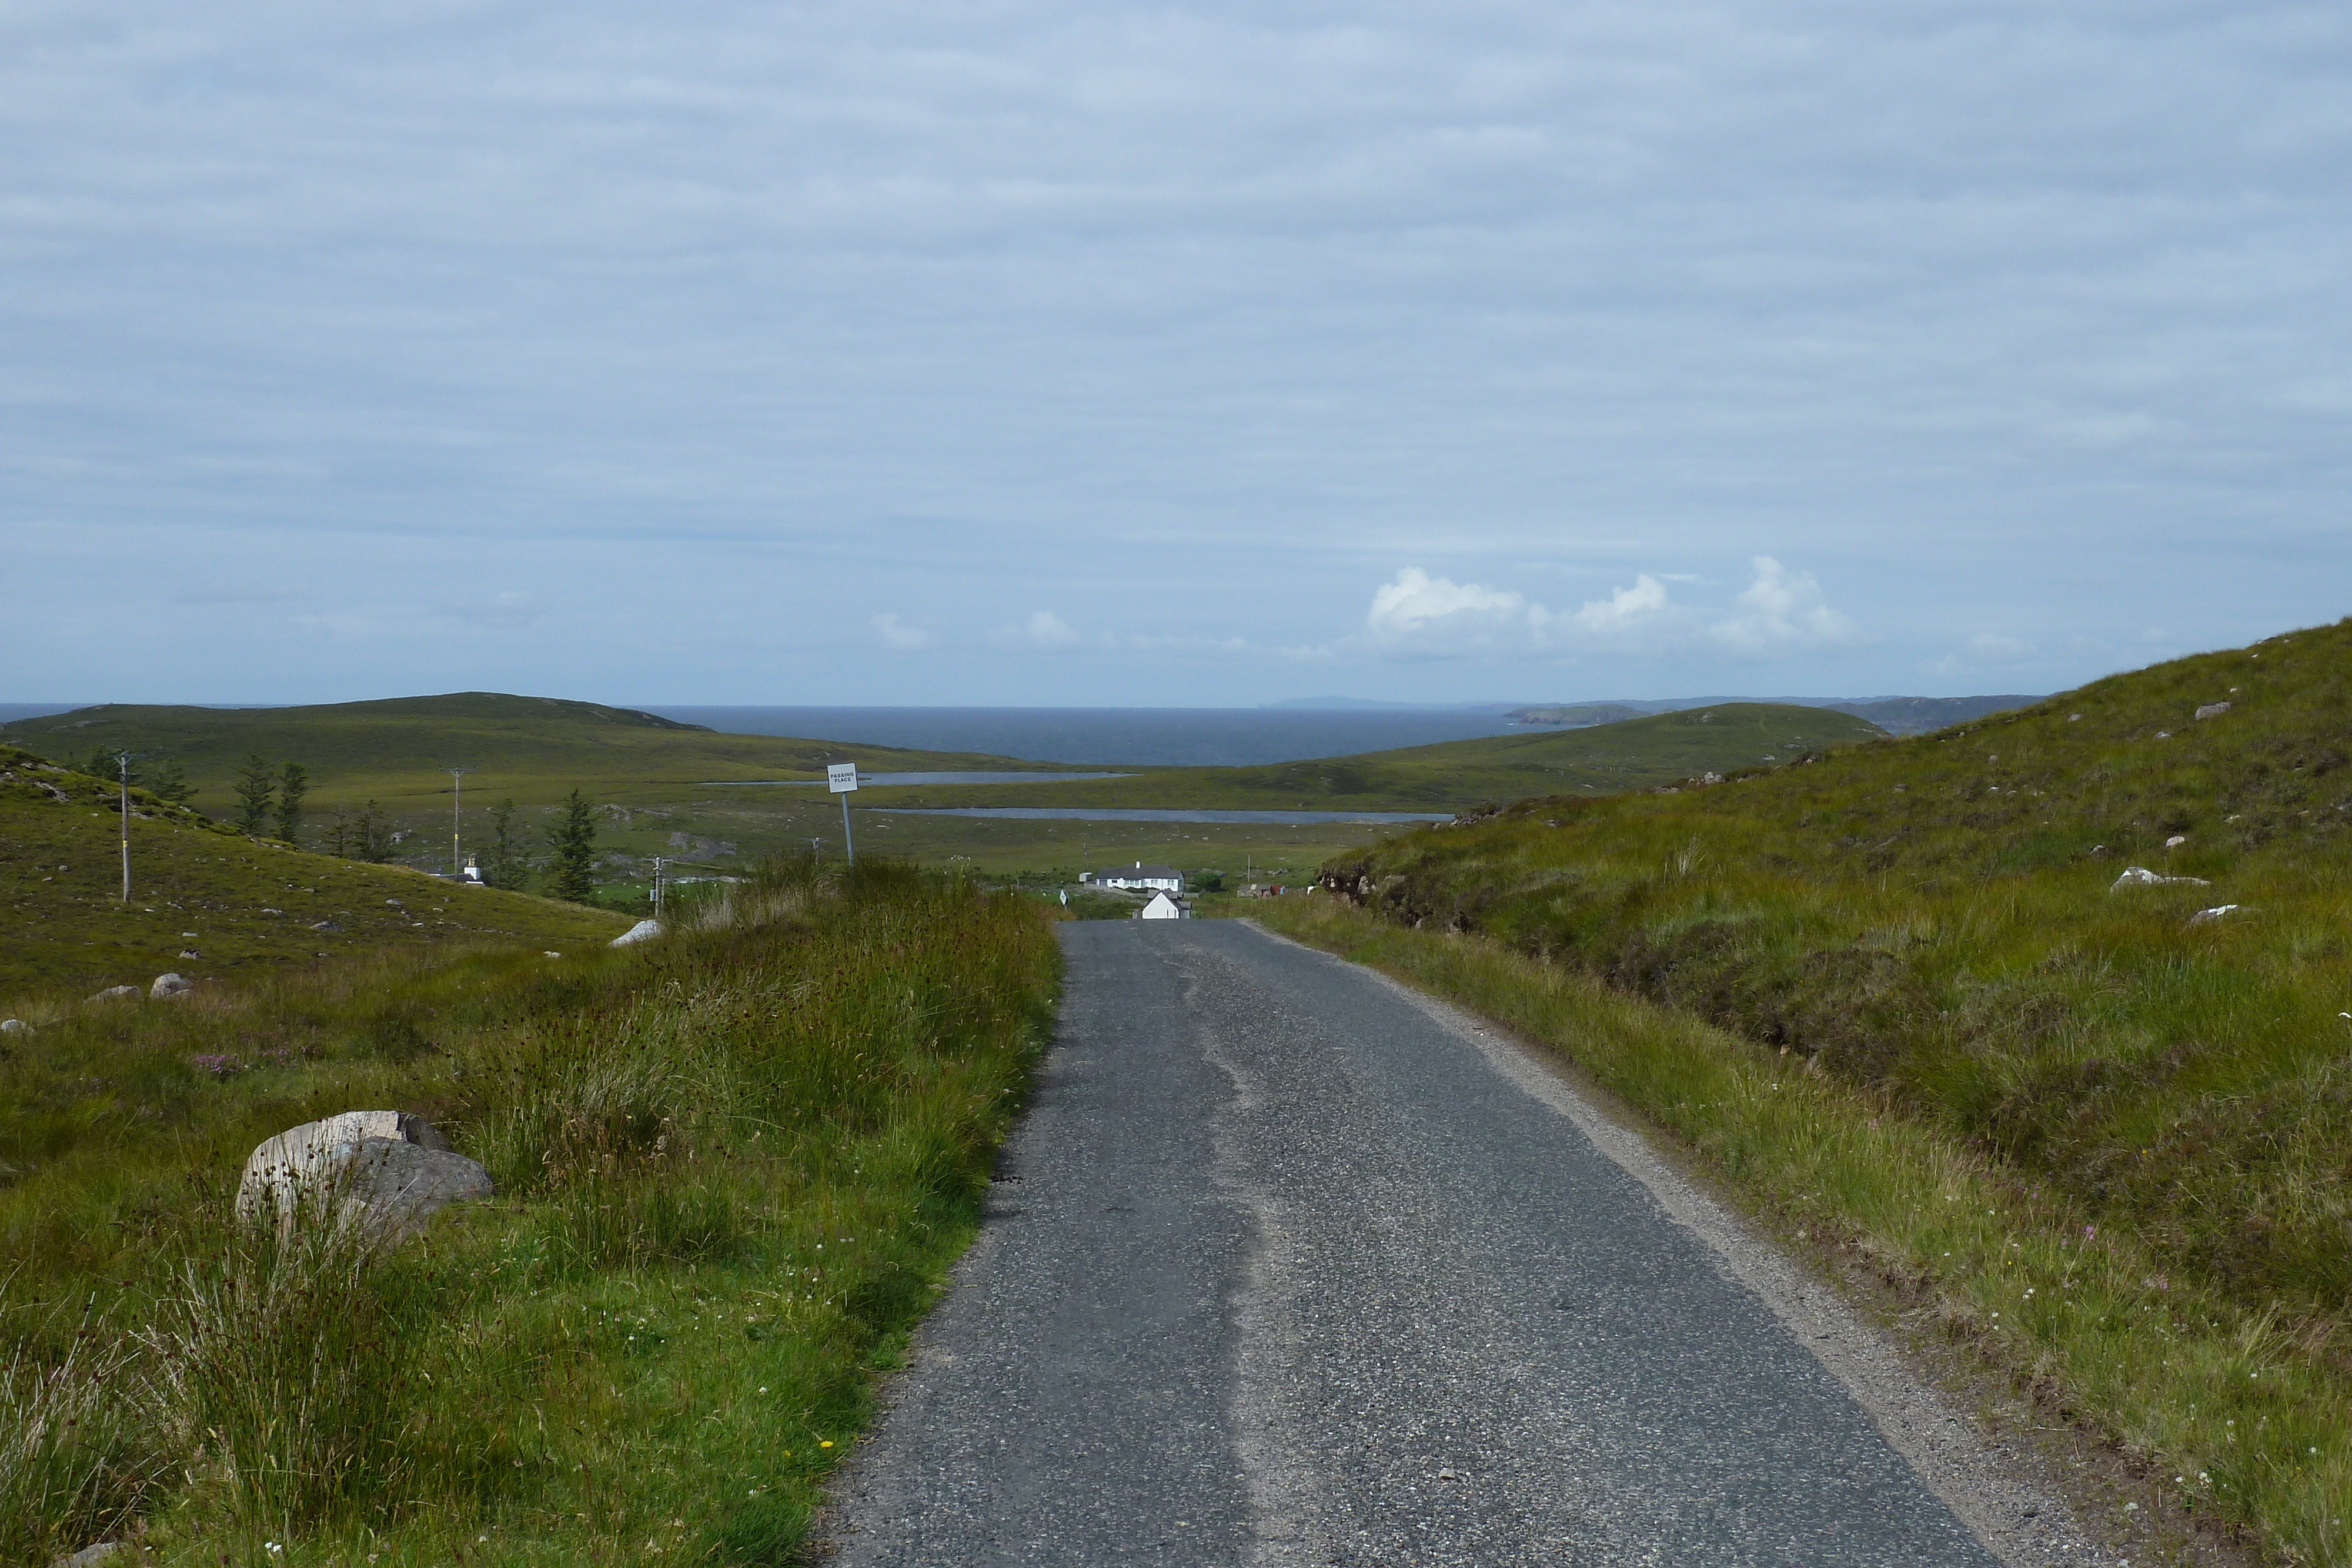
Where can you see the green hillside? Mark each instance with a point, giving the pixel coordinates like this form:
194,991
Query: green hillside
534,749
1937,919
238,904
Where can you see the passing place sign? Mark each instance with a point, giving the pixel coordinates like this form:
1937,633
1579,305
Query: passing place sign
841,778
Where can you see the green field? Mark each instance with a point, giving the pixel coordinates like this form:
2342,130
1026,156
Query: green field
732,1167
1933,929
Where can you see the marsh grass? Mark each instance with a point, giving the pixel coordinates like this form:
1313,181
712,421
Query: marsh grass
732,1168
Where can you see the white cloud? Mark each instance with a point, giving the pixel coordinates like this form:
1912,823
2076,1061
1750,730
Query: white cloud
1044,629
1420,609
896,634
1780,613
1627,611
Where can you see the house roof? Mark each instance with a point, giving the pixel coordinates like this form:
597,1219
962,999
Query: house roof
1137,873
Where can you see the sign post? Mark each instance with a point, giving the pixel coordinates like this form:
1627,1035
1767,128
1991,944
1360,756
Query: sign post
841,778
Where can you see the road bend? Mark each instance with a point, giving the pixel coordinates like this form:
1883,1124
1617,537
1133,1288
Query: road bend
1287,1266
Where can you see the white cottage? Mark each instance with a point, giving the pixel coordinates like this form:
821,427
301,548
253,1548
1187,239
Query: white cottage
1162,878
1161,907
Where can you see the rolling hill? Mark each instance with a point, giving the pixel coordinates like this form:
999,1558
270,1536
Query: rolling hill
534,749
207,901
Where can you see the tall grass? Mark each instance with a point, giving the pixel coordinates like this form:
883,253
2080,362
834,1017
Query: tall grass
732,1167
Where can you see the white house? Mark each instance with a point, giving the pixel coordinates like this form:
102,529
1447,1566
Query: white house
1161,907
1158,878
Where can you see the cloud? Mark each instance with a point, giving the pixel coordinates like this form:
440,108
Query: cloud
1780,613
1044,629
1419,608
896,634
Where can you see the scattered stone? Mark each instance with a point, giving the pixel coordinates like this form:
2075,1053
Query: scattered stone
643,931
89,1556
190,952
273,911
167,985
325,926
2214,710
384,1172
2073,719
116,994
2140,876
14,1026
2176,840
2202,915
552,953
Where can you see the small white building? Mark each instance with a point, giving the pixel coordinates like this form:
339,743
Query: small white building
1161,907
1155,878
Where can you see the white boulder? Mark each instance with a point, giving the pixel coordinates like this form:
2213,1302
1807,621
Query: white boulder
643,931
2213,710
2140,876
2204,916
384,1172
167,985
116,994
14,1026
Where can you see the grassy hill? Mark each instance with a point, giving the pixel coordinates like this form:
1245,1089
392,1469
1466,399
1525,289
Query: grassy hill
1601,759
199,887
534,749
1935,923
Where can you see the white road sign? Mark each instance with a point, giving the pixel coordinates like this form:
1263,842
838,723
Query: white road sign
841,778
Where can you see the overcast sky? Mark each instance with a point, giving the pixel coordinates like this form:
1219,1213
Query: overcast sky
1013,351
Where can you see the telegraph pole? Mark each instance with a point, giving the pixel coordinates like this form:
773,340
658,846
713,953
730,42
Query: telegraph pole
457,796
123,758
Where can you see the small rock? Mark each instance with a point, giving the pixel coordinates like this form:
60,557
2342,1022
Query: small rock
2073,719
171,985
116,994
273,911
643,931
2176,840
14,1026
552,953
2214,710
89,1556
325,926
190,952
2202,915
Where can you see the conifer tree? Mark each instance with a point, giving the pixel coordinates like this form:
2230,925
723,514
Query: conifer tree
293,783
573,834
505,865
257,786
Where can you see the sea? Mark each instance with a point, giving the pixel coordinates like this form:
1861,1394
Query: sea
1115,737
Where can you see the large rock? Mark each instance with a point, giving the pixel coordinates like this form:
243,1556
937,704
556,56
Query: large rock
168,985
643,931
386,1172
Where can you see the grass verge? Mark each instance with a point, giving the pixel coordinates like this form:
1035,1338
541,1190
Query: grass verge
2235,1415
733,1169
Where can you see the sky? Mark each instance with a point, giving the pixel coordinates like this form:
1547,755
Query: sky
1008,351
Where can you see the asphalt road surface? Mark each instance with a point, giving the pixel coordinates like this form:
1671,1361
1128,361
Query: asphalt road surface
1289,1267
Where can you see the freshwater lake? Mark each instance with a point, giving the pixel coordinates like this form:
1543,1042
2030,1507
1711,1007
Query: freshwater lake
1149,814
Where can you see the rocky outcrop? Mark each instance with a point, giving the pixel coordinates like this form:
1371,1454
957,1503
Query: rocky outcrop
643,931
385,1173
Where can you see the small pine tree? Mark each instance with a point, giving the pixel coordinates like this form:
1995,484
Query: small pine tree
171,783
339,833
505,865
573,834
371,836
256,788
293,783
